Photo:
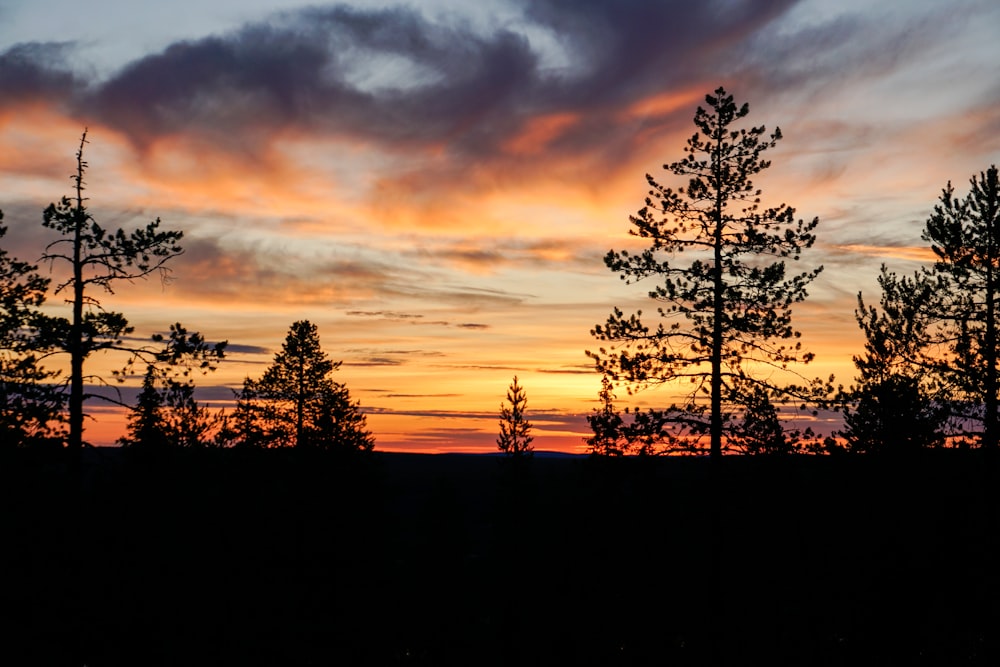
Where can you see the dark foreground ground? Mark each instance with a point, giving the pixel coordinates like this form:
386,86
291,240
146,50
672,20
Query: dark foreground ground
275,558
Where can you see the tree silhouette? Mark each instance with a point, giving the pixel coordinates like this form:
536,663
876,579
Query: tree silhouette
30,403
96,258
244,427
727,311
146,424
607,424
896,405
965,236
301,404
166,411
940,325
515,439
759,431
892,415
340,423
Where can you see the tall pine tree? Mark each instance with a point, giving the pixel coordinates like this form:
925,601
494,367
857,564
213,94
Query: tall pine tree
95,259
723,288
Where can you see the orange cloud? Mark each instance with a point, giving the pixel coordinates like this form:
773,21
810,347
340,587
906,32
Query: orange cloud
917,254
38,146
665,103
539,132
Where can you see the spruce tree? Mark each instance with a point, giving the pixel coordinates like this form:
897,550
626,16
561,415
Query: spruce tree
302,405
147,426
515,430
30,399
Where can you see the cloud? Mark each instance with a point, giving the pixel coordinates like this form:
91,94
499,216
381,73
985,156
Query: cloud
384,315
207,394
486,256
981,127
249,272
384,357
476,297
626,49
395,77
423,102
36,71
236,348
412,318
437,414
374,361
312,69
577,370
922,254
417,353
483,367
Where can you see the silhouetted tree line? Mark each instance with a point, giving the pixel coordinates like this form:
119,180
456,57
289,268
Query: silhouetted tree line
718,258
232,557
296,402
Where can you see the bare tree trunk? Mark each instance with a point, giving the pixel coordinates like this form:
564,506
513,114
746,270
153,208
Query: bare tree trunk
76,351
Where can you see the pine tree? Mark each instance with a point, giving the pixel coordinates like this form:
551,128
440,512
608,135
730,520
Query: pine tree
166,412
942,323
96,258
896,405
607,424
759,431
340,423
147,427
30,401
515,439
727,311
243,428
301,404
965,236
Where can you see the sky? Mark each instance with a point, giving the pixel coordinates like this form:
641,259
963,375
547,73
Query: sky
435,184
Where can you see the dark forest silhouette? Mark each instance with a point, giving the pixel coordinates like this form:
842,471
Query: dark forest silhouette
298,557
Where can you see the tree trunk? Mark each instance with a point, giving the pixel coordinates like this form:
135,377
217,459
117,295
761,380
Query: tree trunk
76,351
990,384
300,405
990,435
715,426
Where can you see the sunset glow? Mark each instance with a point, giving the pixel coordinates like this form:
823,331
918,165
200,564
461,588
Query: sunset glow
435,185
